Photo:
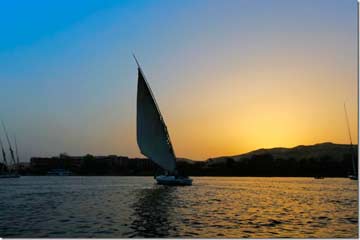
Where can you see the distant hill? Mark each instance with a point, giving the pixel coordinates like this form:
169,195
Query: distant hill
336,151
186,160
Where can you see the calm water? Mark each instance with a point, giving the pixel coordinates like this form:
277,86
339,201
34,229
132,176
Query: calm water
213,207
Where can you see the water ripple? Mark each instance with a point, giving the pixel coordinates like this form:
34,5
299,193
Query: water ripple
214,207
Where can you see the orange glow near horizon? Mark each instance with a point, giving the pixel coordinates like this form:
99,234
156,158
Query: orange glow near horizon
287,105
229,76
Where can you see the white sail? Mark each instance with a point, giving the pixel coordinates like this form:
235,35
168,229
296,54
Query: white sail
152,135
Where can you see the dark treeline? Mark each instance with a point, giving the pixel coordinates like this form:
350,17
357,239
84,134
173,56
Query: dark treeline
267,166
254,165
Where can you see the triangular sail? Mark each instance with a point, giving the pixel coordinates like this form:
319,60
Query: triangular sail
152,135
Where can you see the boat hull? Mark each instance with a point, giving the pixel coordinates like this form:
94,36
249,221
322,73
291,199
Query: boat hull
352,177
173,181
59,172
10,176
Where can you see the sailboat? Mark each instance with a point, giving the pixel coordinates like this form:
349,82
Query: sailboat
10,174
152,135
354,175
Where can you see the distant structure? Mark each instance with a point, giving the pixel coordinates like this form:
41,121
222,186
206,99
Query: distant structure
93,165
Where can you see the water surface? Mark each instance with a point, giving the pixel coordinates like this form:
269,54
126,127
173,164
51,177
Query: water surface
214,207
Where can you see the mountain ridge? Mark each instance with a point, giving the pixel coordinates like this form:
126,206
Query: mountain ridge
336,150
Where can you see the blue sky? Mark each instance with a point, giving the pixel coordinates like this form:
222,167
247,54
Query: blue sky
68,80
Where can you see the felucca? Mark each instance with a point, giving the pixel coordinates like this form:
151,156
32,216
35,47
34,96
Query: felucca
12,173
354,175
152,135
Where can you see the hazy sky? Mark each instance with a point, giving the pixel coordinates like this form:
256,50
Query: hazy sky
229,76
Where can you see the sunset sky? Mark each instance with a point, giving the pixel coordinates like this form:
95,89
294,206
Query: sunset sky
229,76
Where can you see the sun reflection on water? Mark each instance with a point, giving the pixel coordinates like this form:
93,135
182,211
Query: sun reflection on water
214,207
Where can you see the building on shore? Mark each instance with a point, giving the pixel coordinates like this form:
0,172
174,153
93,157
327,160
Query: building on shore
93,165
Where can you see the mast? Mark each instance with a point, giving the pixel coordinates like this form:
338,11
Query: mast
8,140
351,145
152,134
157,107
3,153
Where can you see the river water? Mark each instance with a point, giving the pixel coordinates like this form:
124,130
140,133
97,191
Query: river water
214,207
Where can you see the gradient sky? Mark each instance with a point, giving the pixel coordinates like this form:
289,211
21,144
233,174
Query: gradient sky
229,76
